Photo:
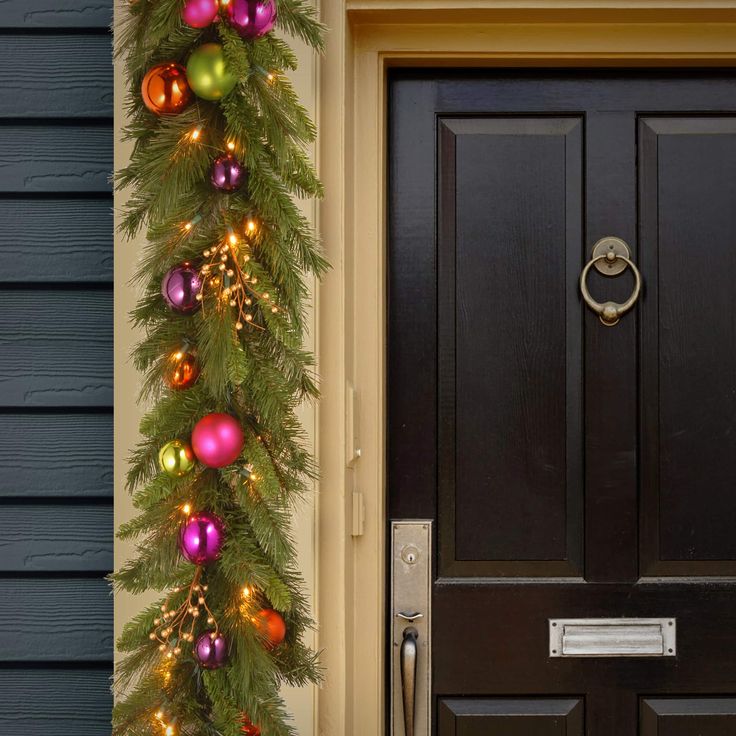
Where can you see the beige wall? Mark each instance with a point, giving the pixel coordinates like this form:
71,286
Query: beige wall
302,702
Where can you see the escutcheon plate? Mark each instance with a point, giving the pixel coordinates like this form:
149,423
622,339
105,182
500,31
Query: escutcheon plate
617,247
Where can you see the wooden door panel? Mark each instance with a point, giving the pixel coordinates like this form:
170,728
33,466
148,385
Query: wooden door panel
688,250
688,716
511,717
573,470
510,404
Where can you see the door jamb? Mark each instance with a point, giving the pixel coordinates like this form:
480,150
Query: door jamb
368,37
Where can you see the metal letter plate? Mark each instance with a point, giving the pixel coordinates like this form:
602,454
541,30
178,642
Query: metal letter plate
411,589
612,637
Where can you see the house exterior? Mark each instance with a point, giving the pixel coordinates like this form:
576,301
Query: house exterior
393,68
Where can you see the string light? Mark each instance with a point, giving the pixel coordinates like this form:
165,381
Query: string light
187,509
196,133
230,146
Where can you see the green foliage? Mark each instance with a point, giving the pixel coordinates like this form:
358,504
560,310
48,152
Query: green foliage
259,373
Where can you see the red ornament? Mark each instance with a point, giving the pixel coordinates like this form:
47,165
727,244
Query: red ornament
165,89
272,627
217,440
249,728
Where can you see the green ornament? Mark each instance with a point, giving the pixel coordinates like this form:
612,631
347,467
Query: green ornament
176,459
207,72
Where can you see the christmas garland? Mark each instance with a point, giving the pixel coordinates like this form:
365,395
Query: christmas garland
218,155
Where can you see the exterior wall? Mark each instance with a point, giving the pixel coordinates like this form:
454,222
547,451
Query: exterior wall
56,370
301,702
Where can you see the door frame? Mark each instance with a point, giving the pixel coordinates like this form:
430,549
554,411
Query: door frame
366,39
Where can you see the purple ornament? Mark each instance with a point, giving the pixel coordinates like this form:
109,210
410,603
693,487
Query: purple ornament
211,650
201,538
251,18
199,13
228,174
180,288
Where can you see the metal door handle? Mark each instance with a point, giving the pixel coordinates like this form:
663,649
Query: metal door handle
408,660
610,257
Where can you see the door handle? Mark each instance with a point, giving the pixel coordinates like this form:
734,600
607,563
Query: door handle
611,256
408,662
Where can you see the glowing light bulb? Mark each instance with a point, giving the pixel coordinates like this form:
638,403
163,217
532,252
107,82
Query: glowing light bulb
230,146
195,134
251,226
246,592
186,508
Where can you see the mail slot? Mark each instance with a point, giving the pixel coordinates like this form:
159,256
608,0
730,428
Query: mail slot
613,637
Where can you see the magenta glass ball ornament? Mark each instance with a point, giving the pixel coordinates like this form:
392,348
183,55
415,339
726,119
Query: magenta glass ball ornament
251,18
228,174
210,650
180,288
201,538
199,13
217,440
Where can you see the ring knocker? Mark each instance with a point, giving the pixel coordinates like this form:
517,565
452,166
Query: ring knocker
611,256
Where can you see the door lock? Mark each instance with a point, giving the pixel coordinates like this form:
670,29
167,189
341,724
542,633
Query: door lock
411,545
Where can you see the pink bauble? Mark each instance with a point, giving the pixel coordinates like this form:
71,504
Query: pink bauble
217,440
201,538
180,288
251,18
199,13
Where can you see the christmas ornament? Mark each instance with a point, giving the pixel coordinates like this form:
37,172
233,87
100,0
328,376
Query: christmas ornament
176,459
272,627
165,89
199,13
217,440
201,538
208,74
211,650
248,727
182,370
251,18
228,174
180,288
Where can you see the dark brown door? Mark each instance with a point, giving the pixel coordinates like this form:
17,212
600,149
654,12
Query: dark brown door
572,470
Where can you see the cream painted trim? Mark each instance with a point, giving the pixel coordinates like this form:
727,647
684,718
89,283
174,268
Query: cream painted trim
367,37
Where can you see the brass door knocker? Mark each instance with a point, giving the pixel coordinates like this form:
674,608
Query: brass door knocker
611,256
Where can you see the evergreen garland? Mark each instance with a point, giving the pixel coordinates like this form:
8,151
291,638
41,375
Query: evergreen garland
253,369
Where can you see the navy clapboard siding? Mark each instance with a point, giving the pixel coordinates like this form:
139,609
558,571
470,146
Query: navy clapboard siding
56,148
32,14
65,455
55,348
55,159
55,620
56,76
56,240
54,538
47,702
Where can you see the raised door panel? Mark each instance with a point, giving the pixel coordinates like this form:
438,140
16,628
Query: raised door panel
511,717
688,258
688,716
509,366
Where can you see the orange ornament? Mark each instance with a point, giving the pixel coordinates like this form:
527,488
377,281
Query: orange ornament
249,728
272,627
182,370
165,89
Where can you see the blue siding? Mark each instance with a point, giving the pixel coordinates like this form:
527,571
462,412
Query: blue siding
56,246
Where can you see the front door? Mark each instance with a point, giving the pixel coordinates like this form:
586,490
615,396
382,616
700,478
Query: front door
571,468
